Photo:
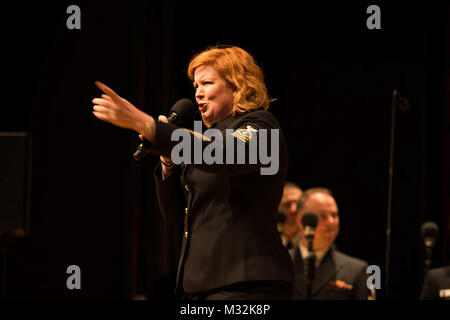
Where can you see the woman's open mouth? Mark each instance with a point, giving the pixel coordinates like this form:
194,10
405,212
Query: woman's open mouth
202,107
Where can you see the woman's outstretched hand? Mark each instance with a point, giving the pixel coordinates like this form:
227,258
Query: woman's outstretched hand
116,110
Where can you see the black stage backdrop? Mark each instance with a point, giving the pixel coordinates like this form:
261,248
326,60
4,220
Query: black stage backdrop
93,206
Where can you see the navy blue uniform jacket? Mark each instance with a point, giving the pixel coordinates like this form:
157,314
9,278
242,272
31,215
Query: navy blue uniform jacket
228,210
338,277
437,284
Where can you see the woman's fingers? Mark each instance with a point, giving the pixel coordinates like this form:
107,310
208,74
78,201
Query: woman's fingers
114,96
102,102
106,97
100,115
118,111
101,109
163,119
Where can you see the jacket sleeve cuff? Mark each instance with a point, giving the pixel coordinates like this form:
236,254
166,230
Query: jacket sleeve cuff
170,196
163,144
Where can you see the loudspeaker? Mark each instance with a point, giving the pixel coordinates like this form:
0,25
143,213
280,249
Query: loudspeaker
15,183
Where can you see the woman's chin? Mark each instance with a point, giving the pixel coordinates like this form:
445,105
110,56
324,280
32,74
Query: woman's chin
207,117
205,121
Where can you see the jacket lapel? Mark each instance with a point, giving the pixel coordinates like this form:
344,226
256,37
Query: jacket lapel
325,272
300,285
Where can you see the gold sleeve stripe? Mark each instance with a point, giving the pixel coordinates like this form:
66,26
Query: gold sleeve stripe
198,135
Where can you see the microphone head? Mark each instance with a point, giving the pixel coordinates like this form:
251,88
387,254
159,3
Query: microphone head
430,230
310,219
182,111
281,217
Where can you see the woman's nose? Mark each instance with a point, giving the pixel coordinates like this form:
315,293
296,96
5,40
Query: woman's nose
199,93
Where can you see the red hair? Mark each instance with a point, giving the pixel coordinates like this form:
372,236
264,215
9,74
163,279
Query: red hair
240,71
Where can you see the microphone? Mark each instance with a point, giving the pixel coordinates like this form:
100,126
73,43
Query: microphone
181,112
309,222
429,232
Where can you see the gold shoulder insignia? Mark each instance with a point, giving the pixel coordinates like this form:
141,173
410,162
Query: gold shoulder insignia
244,135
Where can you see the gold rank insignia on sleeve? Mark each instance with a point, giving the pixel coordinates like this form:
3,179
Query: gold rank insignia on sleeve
198,135
244,135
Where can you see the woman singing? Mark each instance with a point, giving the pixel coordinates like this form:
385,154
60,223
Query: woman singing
231,248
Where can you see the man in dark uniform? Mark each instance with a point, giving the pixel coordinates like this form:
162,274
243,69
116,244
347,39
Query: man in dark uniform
437,284
337,275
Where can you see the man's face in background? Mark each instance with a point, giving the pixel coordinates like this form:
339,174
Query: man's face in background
288,203
328,225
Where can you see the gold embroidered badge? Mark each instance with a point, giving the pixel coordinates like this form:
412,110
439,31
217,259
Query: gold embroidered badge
244,135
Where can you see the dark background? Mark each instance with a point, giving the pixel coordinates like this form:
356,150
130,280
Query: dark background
93,206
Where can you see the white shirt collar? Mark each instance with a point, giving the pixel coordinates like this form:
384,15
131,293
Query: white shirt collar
319,253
